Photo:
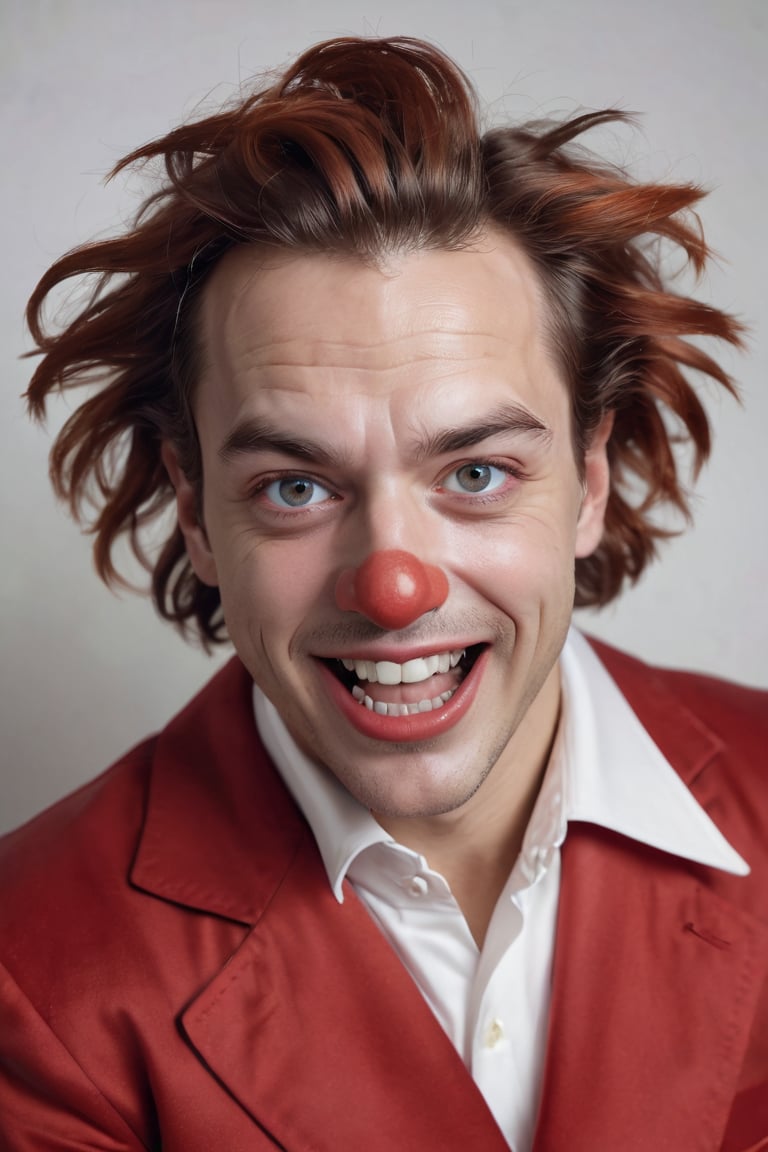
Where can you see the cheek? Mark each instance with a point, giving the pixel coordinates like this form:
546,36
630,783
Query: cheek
527,558
270,587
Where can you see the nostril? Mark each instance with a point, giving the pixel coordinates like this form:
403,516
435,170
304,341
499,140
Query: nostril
392,588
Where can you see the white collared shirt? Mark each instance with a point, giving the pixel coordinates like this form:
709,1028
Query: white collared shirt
494,1003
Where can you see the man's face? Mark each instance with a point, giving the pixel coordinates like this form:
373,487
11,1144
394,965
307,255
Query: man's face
343,410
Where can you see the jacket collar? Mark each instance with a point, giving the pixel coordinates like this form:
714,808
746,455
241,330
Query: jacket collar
211,755
220,829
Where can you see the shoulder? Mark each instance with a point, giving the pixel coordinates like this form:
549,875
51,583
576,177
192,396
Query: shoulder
98,957
103,928
91,829
70,868
68,916
124,782
734,712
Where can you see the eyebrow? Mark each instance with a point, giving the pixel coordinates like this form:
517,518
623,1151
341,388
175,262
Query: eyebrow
505,420
252,435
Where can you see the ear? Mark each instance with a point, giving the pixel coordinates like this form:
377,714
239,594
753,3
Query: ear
597,487
191,525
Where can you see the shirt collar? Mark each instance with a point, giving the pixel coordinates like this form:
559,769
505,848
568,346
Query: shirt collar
608,773
618,778
342,827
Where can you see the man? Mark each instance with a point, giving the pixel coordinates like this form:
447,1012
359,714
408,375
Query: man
420,868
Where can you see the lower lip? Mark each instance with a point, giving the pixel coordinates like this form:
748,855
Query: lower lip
406,729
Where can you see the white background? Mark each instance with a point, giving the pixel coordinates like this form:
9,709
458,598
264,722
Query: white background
86,674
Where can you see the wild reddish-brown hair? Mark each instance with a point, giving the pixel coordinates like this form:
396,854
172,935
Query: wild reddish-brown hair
364,147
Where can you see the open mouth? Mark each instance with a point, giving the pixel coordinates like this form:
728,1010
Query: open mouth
423,684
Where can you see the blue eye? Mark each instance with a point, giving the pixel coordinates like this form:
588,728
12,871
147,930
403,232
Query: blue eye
295,492
475,478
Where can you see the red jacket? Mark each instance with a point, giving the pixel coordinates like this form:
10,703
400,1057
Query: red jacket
176,972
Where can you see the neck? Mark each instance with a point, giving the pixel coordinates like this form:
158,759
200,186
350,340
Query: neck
475,846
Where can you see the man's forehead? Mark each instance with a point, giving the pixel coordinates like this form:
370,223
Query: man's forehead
431,341
339,306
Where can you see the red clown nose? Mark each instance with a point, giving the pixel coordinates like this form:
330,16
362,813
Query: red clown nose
391,588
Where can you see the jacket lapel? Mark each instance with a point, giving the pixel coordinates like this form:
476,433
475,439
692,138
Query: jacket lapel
654,990
220,828
313,997
317,1000
656,978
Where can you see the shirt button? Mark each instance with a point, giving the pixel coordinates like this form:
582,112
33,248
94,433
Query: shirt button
494,1034
418,886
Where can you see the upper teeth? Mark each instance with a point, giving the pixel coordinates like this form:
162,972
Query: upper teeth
411,672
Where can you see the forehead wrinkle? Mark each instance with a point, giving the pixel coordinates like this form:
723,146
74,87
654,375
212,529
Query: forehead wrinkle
368,355
248,324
